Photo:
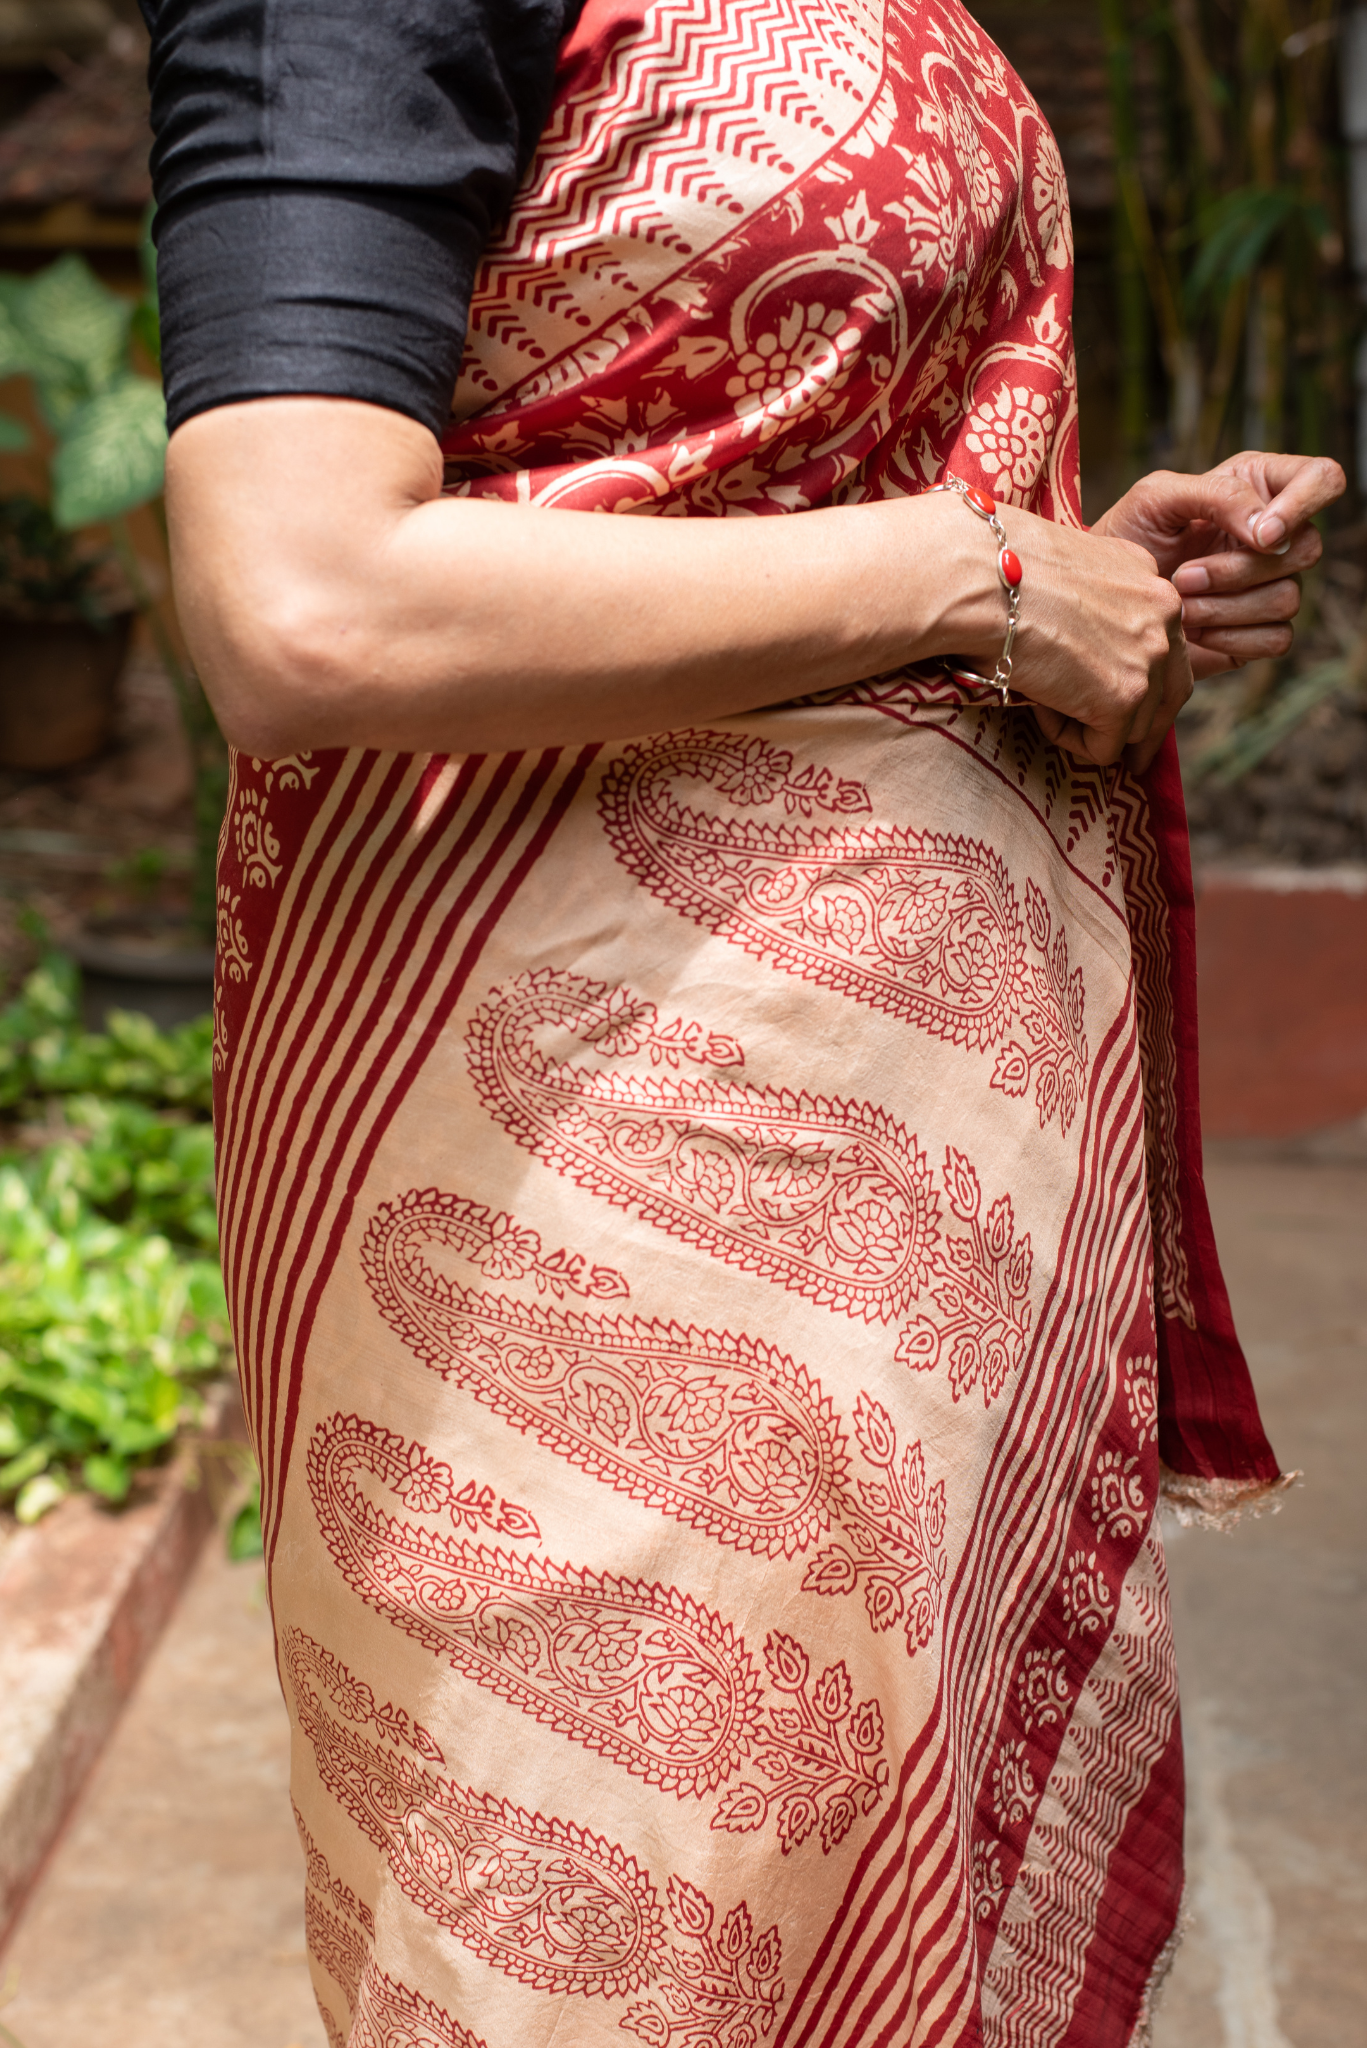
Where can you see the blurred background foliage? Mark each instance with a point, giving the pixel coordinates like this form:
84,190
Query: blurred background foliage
1229,255
1207,171
111,1301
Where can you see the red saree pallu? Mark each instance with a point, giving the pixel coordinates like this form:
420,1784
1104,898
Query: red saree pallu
713,1222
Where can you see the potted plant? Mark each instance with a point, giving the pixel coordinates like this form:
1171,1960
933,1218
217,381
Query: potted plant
65,616
79,344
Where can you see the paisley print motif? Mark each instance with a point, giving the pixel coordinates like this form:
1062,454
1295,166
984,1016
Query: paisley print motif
547,1902
832,1199
919,924
641,1674
723,1433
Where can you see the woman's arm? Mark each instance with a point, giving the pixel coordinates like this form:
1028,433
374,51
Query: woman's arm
332,597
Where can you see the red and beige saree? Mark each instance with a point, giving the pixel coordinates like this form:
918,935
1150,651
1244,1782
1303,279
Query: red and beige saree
714,1223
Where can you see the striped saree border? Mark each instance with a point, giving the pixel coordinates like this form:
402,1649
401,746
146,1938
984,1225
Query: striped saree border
399,882
876,1978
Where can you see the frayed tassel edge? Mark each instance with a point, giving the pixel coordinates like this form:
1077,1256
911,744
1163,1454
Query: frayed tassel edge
1222,1503
1142,2037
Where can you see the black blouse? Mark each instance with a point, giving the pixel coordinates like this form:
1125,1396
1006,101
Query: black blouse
327,174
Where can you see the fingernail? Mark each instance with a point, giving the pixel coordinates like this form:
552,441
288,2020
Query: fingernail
1269,531
1191,579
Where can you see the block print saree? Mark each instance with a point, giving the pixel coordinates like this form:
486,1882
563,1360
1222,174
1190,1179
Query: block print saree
713,1222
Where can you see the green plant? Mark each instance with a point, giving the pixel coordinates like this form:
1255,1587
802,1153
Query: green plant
103,1330
71,336
1229,224
111,1300
244,1530
77,342
44,1051
44,571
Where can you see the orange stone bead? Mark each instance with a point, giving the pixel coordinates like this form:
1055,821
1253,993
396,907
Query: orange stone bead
1009,568
981,502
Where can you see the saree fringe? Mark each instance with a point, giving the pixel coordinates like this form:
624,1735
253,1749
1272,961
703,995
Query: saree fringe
1221,1504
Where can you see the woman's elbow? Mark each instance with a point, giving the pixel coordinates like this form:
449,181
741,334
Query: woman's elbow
280,662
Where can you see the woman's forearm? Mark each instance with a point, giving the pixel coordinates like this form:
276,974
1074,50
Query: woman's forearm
331,597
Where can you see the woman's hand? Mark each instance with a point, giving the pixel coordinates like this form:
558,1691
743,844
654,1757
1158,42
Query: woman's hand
1233,543
1099,653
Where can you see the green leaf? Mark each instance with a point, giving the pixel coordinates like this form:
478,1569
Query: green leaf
244,1531
147,253
112,455
14,435
26,1466
1234,234
107,1476
147,328
67,312
38,1496
17,355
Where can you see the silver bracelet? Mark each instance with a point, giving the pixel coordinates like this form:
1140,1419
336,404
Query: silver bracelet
1009,570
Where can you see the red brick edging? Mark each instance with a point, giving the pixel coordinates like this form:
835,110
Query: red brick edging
1282,996
84,1595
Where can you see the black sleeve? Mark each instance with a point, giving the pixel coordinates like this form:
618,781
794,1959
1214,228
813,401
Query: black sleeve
327,174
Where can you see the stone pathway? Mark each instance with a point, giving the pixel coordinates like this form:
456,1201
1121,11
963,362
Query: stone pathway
170,1914
1272,1644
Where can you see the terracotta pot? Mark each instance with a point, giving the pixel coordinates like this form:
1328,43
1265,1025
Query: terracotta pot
149,964
57,683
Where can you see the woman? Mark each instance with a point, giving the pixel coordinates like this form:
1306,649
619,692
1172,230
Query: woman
709,1158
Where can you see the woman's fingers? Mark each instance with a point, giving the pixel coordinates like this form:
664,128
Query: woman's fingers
1238,644
1239,569
1266,604
1260,502
1294,489
1176,688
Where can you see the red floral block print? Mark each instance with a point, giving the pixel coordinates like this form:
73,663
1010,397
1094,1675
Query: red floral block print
318,1871
1150,939
894,1531
981,1287
389,2015
385,2013
252,858
833,1200
721,1984
822,1753
772,259
640,1674
724,1433
343,1950
550,1904
921,925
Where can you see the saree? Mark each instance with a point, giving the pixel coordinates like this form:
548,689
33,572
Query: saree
713,1222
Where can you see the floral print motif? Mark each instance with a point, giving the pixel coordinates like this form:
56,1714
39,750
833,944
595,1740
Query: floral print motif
917,924
726,1434
641,1674
1010,436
